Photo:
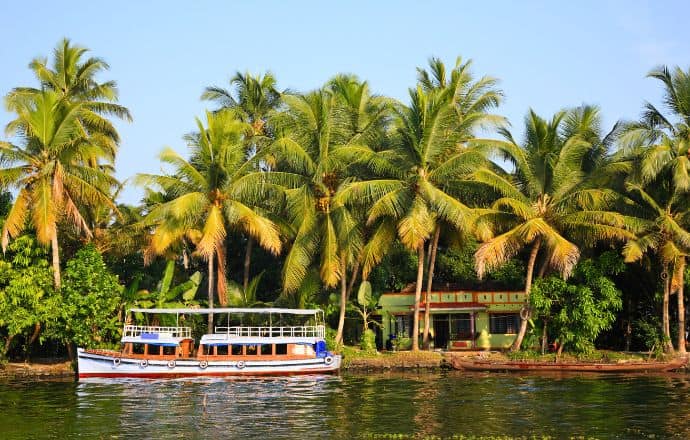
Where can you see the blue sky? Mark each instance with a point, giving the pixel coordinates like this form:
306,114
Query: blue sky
548,55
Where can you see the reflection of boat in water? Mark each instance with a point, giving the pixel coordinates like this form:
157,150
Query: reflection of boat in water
169,352
579,367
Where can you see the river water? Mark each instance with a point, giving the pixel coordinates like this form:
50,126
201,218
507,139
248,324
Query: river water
351,406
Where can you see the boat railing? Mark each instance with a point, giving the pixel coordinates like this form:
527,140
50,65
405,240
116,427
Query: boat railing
310,331
133,331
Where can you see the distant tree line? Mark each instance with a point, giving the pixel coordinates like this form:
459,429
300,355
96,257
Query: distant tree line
295,198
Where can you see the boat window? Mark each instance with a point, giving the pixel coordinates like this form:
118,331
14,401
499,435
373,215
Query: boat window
281,349
506,324
267,349
236,350
138,348
207,350
154,350
169,351
222,350
251,350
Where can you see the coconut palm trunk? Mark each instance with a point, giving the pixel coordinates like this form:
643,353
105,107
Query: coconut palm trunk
343,305
8,344
528,286
221,282
353,278
681,307
247,262
56,260
210,292
665,321
344,296
429,284
417,297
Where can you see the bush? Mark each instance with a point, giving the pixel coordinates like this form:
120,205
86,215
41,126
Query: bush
368,341
27,298
330,340
91,299
649,332
402,343
579,309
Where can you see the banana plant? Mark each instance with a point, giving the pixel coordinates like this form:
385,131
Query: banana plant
366,305
239,297
166,295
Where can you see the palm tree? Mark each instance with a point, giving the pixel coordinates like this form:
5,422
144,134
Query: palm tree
213,191
660,145
73,78
472,100
253,98
662,142
414,194
47,171
549,199
315,147
664,230
366,121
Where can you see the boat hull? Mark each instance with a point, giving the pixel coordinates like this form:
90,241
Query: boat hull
96,365
627,367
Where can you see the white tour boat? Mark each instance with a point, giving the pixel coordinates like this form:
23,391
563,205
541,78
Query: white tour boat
170,352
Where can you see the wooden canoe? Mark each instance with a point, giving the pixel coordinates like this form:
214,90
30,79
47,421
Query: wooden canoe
587,367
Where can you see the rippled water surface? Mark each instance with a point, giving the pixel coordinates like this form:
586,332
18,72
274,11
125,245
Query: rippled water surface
350,406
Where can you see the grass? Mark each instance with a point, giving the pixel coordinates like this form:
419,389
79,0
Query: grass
604,356
354,358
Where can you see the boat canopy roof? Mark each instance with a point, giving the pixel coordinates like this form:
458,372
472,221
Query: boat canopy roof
206,311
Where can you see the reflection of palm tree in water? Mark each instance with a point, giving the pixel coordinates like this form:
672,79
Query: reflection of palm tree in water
426,401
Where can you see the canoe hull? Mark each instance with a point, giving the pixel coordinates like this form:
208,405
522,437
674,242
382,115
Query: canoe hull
628,367
96,365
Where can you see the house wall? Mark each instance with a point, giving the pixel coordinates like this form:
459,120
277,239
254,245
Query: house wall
401,304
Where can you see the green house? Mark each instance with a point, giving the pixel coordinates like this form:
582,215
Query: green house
460,320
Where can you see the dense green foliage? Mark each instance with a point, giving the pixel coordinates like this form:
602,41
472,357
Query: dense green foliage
27,297
576,311
91,297
340,187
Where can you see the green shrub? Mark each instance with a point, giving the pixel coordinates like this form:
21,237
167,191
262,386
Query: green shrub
368,341
91,298
402,343
330,340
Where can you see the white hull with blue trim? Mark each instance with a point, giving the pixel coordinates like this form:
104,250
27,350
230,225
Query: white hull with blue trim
102,364
169,352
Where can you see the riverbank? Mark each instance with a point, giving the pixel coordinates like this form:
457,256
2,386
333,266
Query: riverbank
354,360
357,360
42,370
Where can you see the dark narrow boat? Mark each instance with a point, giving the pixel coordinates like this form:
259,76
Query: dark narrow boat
586,367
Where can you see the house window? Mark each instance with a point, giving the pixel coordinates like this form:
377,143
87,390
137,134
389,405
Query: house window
460,326
402,325
505,324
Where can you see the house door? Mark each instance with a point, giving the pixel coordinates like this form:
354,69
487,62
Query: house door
441,331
